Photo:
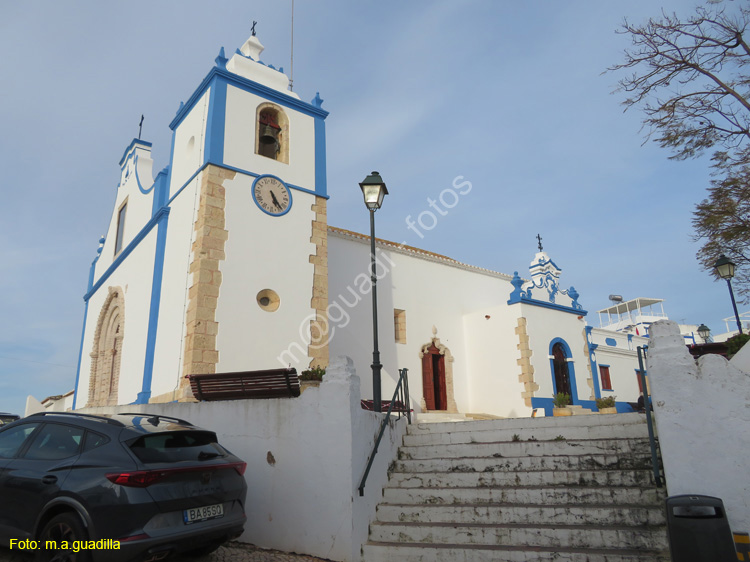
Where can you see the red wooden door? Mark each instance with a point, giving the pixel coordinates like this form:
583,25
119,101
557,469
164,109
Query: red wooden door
433,379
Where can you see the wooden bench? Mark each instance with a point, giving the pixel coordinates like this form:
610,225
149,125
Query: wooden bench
270,383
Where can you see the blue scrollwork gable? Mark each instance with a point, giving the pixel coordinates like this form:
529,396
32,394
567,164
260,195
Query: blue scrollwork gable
544,288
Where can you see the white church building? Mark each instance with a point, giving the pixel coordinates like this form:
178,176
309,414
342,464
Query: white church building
225,262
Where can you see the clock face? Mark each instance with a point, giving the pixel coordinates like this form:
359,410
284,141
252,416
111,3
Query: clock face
271,195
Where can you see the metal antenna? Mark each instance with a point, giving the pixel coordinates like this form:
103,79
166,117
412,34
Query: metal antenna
540,242
291,74
252,29
140,128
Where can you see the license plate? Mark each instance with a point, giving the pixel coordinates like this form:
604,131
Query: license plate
204,513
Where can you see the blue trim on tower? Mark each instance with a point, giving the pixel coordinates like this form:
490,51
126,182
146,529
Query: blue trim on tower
161,191
592,362
138,179
153,315
80,349
561,308
216,123
571,369
125,252
321,185
611,342
248,86
130,147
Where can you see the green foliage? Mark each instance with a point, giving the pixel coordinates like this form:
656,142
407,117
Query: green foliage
722,224
516,437
561,399
607,402
734,344
690,77
312,374
559,438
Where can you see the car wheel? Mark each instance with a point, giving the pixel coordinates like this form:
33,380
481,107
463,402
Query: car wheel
203,550
64,530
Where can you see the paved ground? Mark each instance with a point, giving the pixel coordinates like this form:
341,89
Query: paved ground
235,552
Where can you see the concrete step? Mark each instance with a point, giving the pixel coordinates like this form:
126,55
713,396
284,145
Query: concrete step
608,478
439,417
501,434
563,424
513,464
607,514
420,552
565,536
510,449
542,495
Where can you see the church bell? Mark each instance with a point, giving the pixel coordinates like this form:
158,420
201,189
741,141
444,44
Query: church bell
269,135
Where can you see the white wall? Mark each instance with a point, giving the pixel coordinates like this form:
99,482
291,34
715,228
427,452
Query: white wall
544,325
134,276
139,205
264,252
703,421
432,292
239,141
492,351
189,144
305,457
622,359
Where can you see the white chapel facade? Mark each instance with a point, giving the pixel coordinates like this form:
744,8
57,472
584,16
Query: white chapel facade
224,261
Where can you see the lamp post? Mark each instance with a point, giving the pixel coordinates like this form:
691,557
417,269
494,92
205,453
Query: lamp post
724,268
704,332
374,191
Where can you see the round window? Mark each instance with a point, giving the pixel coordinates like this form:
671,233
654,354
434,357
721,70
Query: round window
268,300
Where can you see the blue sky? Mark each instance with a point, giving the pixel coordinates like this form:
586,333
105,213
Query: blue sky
509,95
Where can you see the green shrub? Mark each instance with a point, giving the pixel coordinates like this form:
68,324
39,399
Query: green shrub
561,399
608,402
312,374
735,343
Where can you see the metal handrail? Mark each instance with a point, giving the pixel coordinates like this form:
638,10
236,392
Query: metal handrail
402,393
647,405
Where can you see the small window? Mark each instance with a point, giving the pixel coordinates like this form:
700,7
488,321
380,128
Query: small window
94,440
11,440
399,322
54,442
120,228
177,446
604,373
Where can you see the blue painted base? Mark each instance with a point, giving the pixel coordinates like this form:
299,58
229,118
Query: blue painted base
547,404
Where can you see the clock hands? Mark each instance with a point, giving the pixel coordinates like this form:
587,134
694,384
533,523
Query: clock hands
275,201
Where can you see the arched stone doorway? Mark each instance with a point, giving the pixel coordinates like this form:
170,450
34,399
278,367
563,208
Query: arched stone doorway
437,376
107,351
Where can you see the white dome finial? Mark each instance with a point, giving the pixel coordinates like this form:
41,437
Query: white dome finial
252,48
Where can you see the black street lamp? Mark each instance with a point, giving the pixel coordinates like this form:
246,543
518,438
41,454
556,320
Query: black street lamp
724,268
704,332
374,191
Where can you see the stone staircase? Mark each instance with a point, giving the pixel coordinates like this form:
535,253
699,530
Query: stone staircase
564,489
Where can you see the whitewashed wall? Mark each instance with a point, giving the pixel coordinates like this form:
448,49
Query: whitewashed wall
432,294
491,358
264,252
703,421
134,276
305,457
622,359
239,141
176,280
189,144
139,208
544,325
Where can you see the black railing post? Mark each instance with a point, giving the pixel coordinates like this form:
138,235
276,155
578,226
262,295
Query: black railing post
403,383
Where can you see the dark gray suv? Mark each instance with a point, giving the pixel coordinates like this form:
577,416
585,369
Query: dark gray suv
152,485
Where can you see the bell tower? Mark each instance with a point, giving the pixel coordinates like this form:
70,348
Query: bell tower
249,158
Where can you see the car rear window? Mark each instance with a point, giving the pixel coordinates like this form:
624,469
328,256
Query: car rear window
176,446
